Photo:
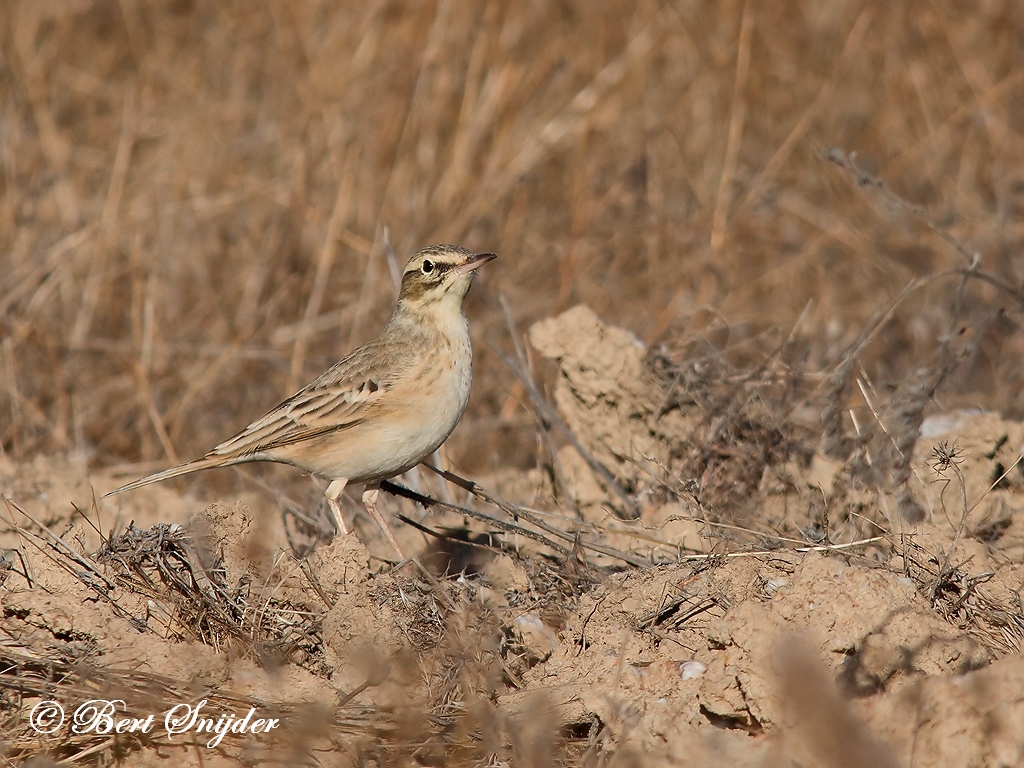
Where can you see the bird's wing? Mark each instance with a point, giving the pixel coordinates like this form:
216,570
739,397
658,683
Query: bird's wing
348,393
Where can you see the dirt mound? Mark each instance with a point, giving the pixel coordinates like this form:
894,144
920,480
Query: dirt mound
642,618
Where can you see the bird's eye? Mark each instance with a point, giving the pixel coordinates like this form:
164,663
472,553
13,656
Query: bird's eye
428,267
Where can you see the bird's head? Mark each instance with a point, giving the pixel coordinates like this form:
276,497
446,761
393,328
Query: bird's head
439,275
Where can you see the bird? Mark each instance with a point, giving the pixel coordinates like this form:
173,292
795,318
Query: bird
381,409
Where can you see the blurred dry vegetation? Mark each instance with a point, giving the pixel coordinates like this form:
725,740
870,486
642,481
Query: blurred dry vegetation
194,195
811,213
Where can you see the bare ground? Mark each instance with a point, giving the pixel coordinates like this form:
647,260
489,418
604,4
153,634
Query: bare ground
812,624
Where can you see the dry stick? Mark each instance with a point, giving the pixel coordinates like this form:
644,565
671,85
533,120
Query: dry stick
944,565
143,370
515,512
867,180
762,552
21,535
737,118
760,534
70,554
89,298
908,414
995,282
318,289
24,572
995,482
643,535
666,609
58,543
944,568
547,412
426,501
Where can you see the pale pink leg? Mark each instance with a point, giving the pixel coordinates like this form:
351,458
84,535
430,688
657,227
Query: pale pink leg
332,493
370,502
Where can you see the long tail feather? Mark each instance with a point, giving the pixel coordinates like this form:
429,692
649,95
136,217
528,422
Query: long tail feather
181,469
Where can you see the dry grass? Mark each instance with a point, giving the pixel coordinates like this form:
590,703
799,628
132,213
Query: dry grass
196,196
199,585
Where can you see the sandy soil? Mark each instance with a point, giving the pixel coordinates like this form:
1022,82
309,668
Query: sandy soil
810,625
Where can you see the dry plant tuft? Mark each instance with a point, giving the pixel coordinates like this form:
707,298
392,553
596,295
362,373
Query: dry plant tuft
463,652
201,602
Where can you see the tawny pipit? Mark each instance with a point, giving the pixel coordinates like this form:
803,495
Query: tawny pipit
382,409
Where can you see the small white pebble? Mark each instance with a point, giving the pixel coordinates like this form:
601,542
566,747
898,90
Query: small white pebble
692,669
774,585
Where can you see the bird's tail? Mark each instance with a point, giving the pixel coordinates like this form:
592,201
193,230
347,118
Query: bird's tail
208,462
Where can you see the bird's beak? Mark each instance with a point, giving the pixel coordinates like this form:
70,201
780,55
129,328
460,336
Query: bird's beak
475,262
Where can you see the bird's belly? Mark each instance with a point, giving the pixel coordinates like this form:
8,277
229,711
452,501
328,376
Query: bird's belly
395,441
